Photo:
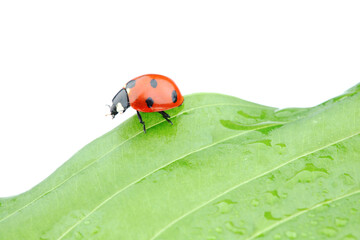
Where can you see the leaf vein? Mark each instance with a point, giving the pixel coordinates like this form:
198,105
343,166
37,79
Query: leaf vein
245,182
148,174
117,146
302,212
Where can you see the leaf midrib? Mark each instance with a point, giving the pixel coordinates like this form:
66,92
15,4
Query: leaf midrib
163,166
114,148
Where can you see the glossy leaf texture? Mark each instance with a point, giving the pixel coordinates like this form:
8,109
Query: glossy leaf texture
226,169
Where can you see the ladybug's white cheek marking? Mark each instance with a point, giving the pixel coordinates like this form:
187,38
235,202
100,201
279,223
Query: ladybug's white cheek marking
128,90
119,108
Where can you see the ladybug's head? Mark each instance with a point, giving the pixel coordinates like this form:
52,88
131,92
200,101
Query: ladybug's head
120,103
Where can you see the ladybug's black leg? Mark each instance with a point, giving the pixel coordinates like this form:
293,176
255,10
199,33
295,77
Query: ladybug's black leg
141,121
166,116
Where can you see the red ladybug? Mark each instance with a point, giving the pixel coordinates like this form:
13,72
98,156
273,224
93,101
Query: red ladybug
148,93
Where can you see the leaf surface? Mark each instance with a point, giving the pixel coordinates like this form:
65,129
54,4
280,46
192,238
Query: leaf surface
226,169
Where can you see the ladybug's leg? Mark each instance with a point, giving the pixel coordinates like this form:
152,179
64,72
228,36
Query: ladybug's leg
141,121
166,116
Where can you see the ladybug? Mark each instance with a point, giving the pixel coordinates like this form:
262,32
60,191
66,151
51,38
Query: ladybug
147,93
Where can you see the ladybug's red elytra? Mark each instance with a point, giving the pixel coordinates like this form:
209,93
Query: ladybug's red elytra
147,93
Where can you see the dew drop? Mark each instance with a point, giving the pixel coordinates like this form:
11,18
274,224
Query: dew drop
78,235
347,179
272,197
281,145
263,127
255,202
291,234
327,157
96,230
341,222
329,231
280,148
349,237
237,230
225,206
271,177
266,142
302,209
269,216
312,168
353,211
262,115
308,173
287,112
274,193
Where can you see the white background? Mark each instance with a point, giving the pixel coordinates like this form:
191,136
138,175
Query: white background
62,61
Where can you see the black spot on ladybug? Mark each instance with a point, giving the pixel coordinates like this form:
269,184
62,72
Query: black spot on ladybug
153,83
174,96
131,84
149,102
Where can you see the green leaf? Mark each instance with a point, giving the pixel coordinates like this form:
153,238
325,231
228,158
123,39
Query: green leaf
226,169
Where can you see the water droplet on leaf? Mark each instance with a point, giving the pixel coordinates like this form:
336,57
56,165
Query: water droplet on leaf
353,210
347,179
78,235
306,175
96,230
266,142
272,197
257,126
329,231
269,216
237,230
341,222
328,157
262,115
225,206
255,202
349,237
